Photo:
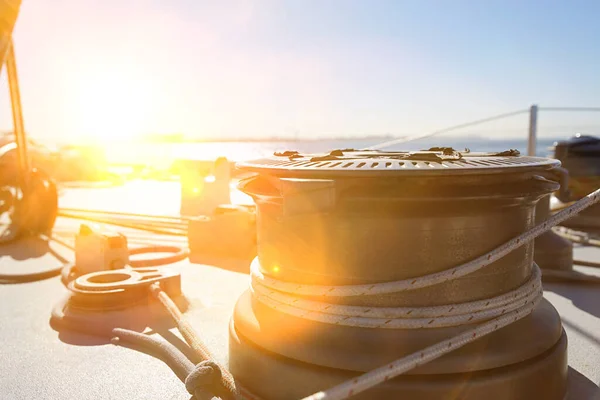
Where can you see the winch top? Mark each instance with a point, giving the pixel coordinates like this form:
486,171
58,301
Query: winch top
434,161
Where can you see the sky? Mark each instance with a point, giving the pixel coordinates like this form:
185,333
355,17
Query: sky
298,68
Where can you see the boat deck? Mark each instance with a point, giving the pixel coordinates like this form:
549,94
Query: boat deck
40,363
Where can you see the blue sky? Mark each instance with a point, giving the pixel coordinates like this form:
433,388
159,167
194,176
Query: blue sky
92,68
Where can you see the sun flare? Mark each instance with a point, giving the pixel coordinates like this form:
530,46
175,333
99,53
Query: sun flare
112,105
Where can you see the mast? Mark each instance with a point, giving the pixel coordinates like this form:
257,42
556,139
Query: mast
9,11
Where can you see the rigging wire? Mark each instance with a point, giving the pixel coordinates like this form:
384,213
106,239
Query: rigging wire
476,122
126,214
445,130
574,109
139,225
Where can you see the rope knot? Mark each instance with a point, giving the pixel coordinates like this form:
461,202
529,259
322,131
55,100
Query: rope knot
205,376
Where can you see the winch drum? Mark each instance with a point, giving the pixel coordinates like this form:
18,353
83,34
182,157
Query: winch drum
348,228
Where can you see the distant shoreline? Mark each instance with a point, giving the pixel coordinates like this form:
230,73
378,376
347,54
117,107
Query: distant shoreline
379,139
268,139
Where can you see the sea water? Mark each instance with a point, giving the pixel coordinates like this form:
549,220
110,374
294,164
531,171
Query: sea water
165,153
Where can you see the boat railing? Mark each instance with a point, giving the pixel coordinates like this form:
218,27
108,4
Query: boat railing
532,128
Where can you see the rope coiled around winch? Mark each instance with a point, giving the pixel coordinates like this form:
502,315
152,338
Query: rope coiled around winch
403,317
497,312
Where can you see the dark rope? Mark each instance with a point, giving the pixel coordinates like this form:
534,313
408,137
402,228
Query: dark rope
584,263
179,254
193,340
8,279
204,380
201,381
164,350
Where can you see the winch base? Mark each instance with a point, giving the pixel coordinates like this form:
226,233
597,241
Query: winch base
364,349
587,220
553,252
272,376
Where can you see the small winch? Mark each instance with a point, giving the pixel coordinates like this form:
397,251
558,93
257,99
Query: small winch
365,257
580,155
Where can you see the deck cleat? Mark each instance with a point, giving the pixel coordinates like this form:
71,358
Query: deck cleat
108,289
101,301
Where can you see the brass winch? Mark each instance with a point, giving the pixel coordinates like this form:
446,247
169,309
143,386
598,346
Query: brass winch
580,156
360,219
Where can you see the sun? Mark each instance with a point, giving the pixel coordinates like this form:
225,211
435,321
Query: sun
112,104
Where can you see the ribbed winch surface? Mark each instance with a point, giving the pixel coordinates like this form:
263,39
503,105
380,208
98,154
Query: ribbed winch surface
350,218
442,161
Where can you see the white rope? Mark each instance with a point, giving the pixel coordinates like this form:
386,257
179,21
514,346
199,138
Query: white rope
498,311
391,370
403,317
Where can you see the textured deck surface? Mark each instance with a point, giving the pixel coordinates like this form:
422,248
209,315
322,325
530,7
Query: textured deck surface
39,363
